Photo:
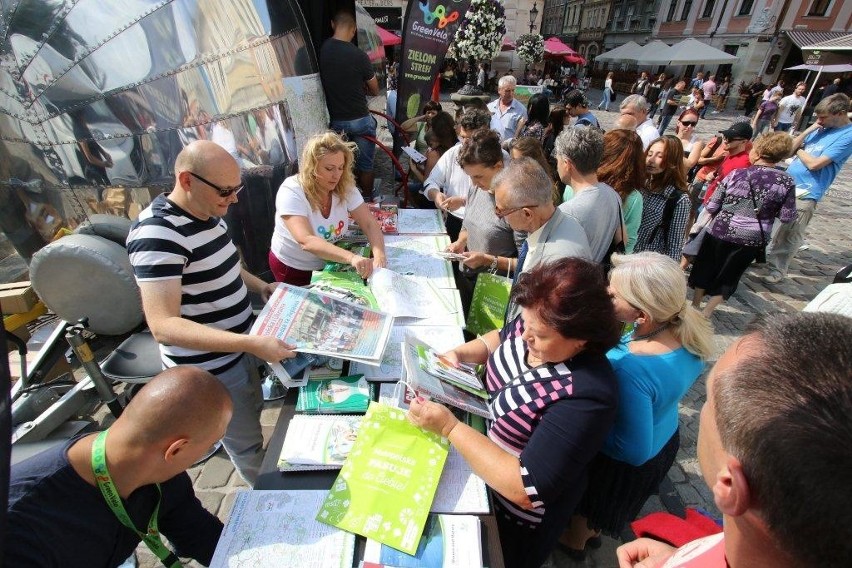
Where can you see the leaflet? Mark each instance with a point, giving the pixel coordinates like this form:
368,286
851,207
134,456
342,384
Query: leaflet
277,529
441,337
449,541
404,296
421,222
318,442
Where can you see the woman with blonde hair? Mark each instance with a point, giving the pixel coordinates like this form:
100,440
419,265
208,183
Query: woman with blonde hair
655,364
312,210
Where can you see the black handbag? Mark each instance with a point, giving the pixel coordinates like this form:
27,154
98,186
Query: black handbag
761,254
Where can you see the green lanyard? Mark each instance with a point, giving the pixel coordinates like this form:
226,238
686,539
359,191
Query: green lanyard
113,500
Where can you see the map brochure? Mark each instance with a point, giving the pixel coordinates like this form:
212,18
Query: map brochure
277,529
441,337
335,396
414,155
460,490
314,322
318,442
412,255
425,383
405,297
449,541
421,222
386,486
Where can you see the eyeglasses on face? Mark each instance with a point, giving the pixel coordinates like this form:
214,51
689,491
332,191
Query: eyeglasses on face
729,140
222,191
501,213
688,123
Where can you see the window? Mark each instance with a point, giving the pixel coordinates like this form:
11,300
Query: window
672,8
745,8
687,6
708,9
819,8
630,10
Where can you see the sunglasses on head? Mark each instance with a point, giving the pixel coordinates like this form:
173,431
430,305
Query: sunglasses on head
222,191
688,123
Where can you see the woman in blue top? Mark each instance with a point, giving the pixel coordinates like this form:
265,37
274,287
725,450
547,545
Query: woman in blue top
655,365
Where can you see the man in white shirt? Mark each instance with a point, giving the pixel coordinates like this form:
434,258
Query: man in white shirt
506,111
637,106
790,108
448,184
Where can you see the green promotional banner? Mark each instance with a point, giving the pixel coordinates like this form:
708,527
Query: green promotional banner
386,486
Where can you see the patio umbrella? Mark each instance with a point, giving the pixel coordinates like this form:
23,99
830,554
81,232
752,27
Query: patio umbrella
820,69
626,52
689,52
507,45
554,47
649,50
578,59
388,38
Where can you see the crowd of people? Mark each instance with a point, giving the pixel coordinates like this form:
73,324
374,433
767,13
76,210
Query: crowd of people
599,344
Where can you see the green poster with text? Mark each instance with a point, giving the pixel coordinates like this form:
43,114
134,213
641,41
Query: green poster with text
386,486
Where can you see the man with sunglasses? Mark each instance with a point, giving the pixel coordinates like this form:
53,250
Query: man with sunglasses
737,145
195,292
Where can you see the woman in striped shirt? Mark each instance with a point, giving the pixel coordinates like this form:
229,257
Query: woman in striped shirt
553,395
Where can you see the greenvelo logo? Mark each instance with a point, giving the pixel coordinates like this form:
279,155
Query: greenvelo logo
440,14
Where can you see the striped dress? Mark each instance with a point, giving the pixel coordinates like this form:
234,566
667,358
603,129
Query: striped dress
167,243
554,418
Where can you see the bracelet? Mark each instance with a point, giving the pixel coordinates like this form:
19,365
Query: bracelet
493,266
485,343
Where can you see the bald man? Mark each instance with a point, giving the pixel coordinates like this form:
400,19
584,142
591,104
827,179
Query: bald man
58,515
195,293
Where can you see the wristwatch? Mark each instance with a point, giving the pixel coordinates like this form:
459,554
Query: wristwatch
493,266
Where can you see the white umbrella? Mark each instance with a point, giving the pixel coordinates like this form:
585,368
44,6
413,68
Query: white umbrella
820,69
688,52
626,52
650,50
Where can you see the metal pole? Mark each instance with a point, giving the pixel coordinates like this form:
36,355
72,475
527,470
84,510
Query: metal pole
81,349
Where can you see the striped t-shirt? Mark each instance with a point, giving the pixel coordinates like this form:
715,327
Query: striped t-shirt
553,417
165,243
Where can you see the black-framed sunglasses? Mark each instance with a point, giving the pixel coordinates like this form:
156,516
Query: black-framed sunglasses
501,213
727,140
688,123
222,191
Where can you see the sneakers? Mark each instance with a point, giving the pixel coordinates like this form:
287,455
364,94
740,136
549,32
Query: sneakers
773,277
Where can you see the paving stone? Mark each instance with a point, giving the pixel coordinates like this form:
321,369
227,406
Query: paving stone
215,473
210,500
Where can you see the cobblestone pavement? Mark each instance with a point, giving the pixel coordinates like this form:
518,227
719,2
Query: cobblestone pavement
829,247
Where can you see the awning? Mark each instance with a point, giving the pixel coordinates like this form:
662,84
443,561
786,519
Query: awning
388,38
507,45
843,68
555,47
802,38
649,50
843,43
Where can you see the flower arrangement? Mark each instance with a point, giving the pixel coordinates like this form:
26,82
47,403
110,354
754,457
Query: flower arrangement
481,31
530,48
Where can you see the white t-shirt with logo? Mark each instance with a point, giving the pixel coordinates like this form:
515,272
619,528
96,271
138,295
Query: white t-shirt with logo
291,200
788,107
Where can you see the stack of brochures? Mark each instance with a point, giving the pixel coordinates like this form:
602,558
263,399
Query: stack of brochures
427,378
331,368
342,395
318,442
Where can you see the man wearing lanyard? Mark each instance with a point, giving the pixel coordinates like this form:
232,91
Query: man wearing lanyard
90,501
818,155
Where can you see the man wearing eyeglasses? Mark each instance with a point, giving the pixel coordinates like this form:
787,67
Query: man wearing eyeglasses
523,198
195,293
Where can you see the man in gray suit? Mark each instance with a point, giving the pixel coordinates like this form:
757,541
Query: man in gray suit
523,196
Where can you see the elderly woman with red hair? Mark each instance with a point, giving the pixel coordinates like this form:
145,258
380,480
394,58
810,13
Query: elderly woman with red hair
553,395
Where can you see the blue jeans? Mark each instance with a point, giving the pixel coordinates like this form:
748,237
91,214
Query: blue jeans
355,131
665,119
783,127
606,100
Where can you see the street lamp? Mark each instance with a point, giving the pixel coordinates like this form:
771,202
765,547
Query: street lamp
533,16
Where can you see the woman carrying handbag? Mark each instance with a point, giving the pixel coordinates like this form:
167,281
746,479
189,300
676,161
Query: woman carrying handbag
744,207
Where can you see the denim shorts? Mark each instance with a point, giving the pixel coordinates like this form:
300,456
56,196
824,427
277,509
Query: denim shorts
355,131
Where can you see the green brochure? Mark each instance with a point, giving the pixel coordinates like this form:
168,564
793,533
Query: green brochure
386,486
341,395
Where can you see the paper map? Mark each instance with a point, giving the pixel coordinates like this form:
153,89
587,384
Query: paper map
412,256
277,529
420,222
442,338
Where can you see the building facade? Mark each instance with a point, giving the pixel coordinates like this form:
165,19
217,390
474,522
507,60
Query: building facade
631,20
